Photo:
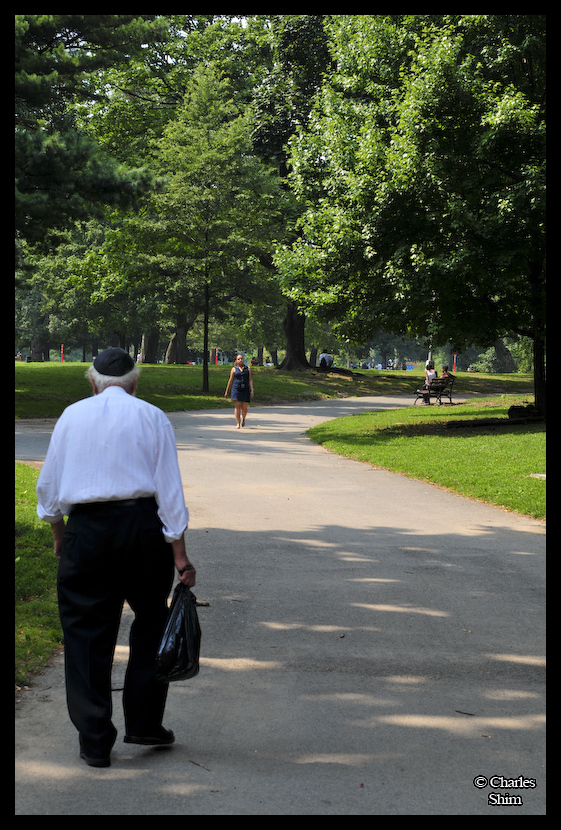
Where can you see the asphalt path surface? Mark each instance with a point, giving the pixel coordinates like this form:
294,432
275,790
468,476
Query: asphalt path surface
373,645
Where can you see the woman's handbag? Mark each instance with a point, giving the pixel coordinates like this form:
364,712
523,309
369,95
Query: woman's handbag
178,654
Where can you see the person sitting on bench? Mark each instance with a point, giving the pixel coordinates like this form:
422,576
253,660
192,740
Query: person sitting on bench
430,375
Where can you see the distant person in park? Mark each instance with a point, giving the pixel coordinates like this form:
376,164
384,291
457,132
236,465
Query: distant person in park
430,375
112,468
241,381
325,359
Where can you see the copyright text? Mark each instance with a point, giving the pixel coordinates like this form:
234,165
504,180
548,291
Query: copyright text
501,782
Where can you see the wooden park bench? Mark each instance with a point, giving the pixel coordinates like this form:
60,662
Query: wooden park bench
439,388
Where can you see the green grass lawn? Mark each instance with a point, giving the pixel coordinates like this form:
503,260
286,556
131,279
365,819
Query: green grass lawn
490,463
43,390
37,626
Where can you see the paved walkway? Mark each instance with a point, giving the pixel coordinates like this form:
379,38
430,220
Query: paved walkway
372,644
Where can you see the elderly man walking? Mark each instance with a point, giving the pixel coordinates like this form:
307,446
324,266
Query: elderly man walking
112,468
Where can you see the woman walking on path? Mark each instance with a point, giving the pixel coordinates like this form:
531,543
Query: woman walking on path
241,381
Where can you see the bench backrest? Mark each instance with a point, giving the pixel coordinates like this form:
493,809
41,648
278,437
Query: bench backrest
442,383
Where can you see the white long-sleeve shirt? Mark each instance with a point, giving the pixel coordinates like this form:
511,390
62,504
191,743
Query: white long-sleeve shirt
109,447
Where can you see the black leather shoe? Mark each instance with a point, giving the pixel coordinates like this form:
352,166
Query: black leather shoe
163,737
95,762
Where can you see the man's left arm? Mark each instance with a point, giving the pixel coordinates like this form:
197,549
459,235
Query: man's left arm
57,529
186,571
171,504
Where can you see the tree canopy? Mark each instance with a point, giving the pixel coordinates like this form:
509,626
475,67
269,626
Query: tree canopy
220,209
423,169
378,171
62,174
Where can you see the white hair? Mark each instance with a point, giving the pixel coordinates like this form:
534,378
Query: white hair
101,382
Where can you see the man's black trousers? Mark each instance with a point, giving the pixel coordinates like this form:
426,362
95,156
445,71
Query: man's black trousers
112,552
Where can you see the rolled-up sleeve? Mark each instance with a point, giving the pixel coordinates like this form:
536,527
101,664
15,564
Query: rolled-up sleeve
172,510
48,504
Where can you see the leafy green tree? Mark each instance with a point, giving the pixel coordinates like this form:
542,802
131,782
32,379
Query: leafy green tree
83,290
146,95
218,213
94,94
424,170
281,106
61,173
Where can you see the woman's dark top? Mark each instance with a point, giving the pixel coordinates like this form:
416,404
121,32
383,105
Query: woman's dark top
240,386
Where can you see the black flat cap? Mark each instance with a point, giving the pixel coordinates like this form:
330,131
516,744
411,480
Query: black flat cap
114,361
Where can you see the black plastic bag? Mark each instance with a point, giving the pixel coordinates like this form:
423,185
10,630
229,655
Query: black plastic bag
178,654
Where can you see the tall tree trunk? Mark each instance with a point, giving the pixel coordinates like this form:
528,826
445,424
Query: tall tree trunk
149,346
539,306
177,351
504,358
177,347
38,348
539,375
293,325
205,338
